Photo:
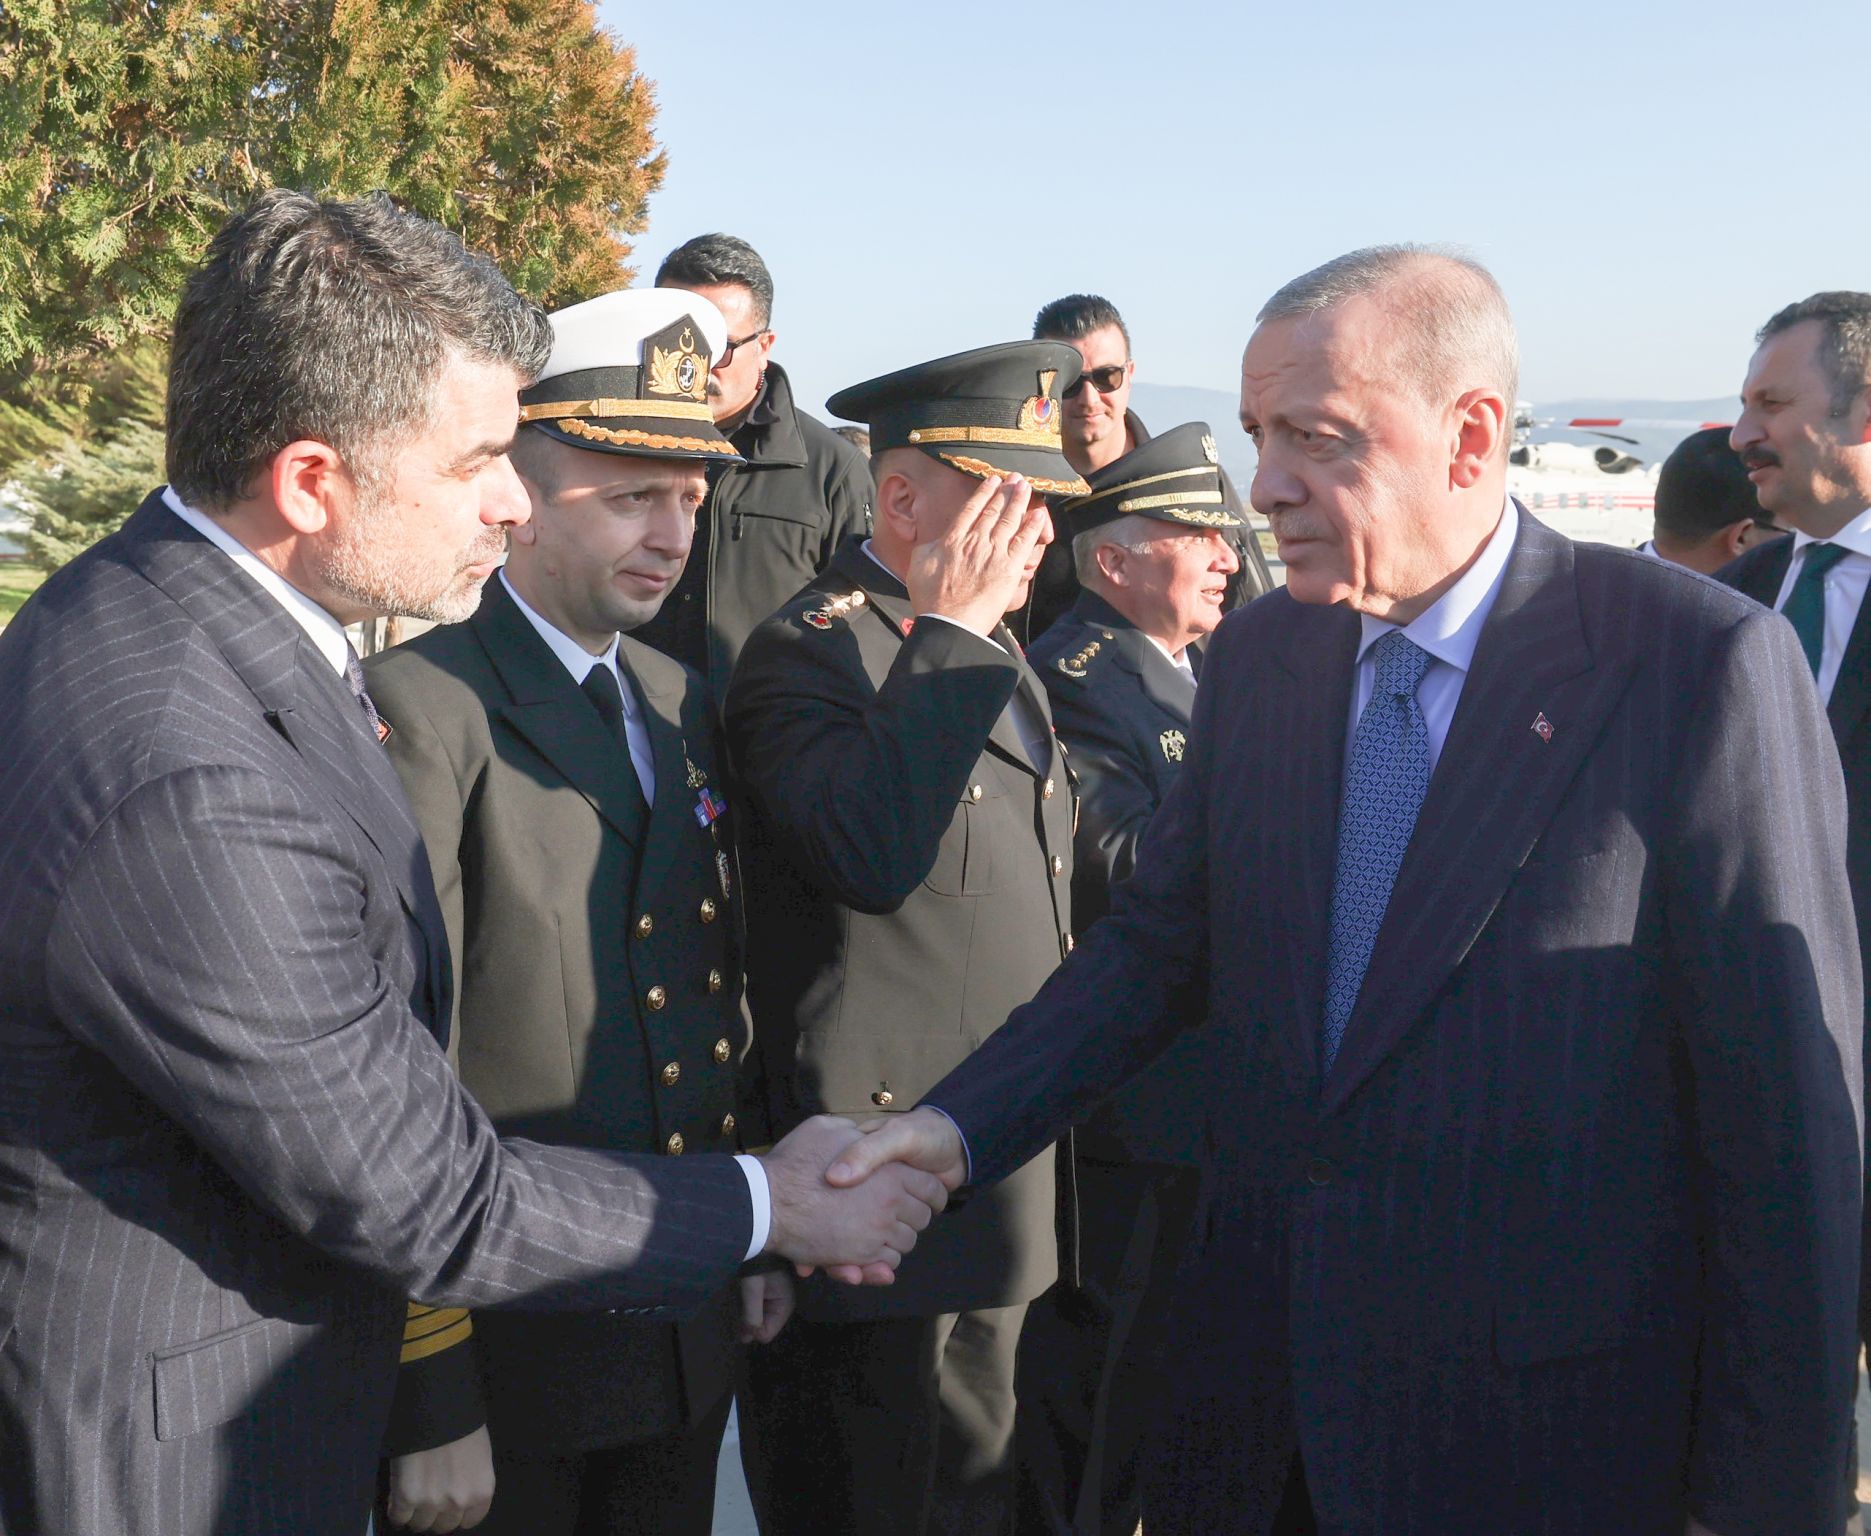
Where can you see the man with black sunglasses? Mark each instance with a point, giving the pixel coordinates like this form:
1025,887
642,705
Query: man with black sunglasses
771,526
1099,427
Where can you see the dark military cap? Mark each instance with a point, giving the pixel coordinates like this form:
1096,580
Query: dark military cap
1175,478
629,374
992,411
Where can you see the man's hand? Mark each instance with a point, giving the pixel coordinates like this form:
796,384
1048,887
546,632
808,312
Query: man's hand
449,1488
973,573
923,1138
766,1304
863,1229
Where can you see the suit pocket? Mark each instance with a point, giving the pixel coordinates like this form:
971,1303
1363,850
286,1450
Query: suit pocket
218,1378
964,864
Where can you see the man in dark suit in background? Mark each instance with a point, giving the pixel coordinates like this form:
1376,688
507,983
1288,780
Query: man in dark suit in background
230,1144
595,935
908,842
1804,435
1536,1204
1150,547
1707,513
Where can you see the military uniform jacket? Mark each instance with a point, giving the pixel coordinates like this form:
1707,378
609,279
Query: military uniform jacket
908,886
770,525
598,990
1122,709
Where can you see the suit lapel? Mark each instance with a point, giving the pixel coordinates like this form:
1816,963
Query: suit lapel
1759,573
1495,787
1851,690
549,712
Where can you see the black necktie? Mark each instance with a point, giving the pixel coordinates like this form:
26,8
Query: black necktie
354,675
607,698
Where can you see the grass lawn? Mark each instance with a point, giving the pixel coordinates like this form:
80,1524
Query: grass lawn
17,583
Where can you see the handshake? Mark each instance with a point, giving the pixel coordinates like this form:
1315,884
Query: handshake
850,1199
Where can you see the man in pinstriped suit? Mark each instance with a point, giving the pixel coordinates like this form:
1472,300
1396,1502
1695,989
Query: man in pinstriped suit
230,1145
1536,1206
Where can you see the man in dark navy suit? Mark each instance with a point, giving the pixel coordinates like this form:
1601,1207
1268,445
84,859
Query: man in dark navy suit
1537,1196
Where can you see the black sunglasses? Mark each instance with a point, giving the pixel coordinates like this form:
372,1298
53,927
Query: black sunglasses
727,352
1104,380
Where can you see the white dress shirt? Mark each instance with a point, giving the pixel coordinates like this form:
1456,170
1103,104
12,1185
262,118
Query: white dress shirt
1448,629
328,635
326,632
1177,659
578,661
1845,587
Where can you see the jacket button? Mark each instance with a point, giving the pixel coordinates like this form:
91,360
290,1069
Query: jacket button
644,924
714,981
674,1145
723,1051
1046,789
727,1125
1070,943
708,909
882,1097
655,998
1058,865
974,791
1319,1173
672,1074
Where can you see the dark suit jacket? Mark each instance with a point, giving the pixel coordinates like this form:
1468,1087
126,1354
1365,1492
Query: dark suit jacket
563,911
1569,1233
230,1144
907,871
1122,709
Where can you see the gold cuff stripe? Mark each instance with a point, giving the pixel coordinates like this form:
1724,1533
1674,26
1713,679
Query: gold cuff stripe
1197,472
552,410
433,1322
1006,437
435,1343
629,438
1172,499
1039,483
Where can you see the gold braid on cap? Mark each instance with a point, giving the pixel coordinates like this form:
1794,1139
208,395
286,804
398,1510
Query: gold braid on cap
629,438
1171,499
1005,437
1039,482
684,410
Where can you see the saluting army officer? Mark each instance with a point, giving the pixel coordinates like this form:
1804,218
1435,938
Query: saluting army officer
909,849
1151,548
567,783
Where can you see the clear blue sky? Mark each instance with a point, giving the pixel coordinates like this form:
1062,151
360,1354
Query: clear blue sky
1649,181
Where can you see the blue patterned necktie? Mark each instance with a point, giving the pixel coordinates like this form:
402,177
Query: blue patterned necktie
1385,781
1805,606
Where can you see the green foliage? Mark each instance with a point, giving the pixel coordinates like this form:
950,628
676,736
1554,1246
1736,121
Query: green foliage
85,491
129,129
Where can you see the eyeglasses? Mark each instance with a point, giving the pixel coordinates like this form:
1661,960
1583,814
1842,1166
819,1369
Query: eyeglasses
1105,380
727,352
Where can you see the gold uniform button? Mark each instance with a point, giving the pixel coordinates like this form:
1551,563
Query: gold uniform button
882,1097
1058,865
1046,789
655,997
727,1125
644,924
674,1145
974,791
723,1051
714,981
672,1074
1070,943
708,909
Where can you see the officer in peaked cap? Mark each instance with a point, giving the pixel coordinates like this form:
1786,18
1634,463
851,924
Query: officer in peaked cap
571,797
909,828
1150,548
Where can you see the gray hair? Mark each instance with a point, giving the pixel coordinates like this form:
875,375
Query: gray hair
1132,531
1457,330
1844,320
331,321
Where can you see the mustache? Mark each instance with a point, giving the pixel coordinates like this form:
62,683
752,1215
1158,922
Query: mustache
1759,458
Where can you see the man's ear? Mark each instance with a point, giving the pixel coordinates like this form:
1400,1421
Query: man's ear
307,479
895,506
1114,562
1481,429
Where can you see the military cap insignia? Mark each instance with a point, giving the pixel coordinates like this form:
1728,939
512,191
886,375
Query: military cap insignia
1208,449
681,372
1074,666
834,608
1173,743
1040,413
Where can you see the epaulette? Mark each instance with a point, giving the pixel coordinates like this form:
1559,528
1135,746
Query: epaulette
1074,665
834,608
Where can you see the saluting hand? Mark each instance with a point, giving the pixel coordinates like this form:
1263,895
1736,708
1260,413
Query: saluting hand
973,572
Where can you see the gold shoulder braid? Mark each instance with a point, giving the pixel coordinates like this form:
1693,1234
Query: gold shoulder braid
1074,666
834,608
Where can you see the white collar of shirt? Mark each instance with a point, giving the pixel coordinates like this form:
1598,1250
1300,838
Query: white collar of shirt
1854,536
574,657
1450,627
1178,660
325,631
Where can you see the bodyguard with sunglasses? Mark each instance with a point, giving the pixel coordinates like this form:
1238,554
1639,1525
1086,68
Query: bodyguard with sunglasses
770,526
1099,427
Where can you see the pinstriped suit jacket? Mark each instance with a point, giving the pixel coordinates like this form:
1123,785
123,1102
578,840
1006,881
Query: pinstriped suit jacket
230,1145
1566,1241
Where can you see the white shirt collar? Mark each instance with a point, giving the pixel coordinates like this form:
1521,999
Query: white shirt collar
866,547
1450,627
1855,536
325,631
576,659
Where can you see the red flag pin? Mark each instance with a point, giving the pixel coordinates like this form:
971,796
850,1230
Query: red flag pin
1542,727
